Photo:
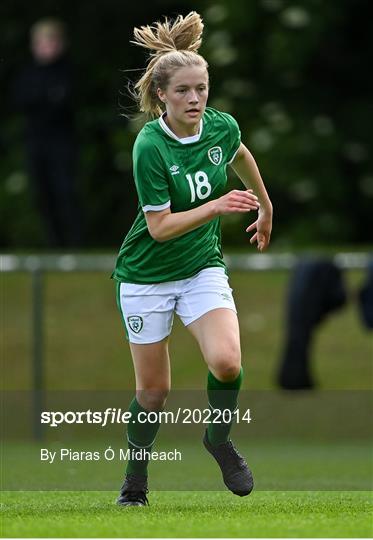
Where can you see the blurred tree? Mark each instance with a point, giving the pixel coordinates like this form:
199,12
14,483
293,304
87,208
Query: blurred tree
298,80
296,75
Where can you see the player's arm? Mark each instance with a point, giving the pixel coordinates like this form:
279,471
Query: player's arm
165,225
246,168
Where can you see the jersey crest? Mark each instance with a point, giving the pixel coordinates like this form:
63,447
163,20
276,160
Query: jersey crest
215,155
135,322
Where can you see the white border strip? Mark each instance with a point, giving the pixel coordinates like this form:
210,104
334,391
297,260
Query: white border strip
140,447
234,155
156,208
183,140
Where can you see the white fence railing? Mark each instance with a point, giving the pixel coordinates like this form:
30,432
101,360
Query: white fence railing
103,262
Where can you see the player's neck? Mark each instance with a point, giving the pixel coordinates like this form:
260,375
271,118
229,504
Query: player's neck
182,130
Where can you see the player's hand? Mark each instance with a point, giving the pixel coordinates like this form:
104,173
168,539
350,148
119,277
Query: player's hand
263,226
237,201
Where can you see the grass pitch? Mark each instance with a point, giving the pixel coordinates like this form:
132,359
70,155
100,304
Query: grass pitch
277,466
85,347
85,350
189,514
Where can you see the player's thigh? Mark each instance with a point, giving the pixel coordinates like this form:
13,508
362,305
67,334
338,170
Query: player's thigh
152,371
151,364
147,314
218,335
147,311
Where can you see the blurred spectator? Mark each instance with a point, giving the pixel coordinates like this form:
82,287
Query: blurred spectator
43,92
316,289
365,299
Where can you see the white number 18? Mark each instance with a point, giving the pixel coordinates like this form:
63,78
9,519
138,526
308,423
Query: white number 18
202,182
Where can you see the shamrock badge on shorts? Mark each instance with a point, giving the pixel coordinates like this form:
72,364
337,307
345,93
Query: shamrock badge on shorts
136,323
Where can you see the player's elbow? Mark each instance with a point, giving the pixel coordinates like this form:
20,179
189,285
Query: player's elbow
158,238
157,234
157,223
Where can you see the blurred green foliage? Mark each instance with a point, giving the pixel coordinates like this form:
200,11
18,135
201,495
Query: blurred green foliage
295,74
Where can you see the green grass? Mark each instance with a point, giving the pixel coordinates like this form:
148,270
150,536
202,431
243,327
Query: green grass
189,514
277,464
340,505
85,346
318,441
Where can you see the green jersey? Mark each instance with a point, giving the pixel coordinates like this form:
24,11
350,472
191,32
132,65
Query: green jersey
179,174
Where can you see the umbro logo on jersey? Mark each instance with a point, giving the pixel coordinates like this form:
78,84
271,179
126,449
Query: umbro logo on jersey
136,323
174,169
215,155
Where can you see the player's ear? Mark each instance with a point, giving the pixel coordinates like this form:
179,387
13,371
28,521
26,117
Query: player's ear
161,95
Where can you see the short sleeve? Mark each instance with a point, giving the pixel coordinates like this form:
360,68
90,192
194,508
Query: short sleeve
150,177
234,137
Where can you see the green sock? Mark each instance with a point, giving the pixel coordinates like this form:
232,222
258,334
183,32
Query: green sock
222,395
141,435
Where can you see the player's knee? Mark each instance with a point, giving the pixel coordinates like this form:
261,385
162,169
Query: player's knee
227,363
228,372
152,399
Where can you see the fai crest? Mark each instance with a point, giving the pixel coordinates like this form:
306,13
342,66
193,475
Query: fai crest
215,155
135,322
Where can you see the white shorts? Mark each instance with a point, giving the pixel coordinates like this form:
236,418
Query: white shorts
148,310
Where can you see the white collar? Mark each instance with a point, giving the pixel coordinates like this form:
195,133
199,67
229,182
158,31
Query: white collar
182,140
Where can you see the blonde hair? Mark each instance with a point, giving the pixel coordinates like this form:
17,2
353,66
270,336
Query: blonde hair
175,45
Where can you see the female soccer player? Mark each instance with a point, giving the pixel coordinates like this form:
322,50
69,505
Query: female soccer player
171,259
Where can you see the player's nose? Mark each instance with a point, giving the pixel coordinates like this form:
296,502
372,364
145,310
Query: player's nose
193,97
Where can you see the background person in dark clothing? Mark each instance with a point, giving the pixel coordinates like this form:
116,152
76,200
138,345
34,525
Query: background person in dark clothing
43,92
316,289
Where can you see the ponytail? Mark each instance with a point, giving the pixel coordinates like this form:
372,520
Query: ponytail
173,45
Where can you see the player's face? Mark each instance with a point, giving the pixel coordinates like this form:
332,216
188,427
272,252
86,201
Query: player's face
185,98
